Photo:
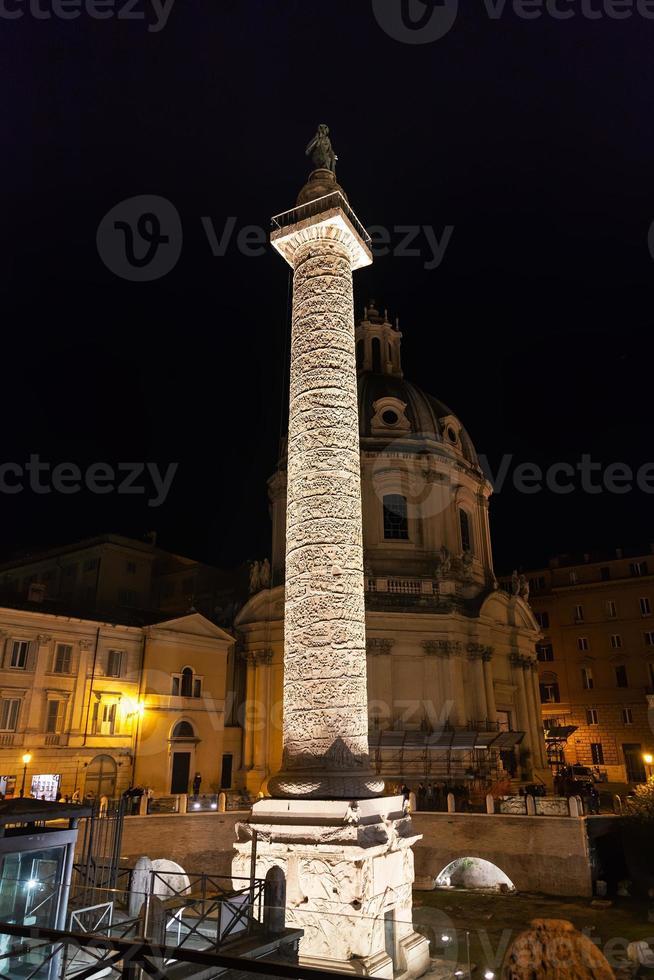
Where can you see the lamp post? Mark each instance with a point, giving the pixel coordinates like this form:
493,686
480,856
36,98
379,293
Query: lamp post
648,759
27,758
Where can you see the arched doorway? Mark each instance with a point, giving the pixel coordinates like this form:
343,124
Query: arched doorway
183,740
101,777
474,872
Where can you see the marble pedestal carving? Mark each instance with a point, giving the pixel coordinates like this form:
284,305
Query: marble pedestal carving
349,874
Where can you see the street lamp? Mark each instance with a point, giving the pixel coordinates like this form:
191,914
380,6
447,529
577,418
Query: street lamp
648,759
27,758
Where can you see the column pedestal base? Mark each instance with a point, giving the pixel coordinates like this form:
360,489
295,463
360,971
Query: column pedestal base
349,872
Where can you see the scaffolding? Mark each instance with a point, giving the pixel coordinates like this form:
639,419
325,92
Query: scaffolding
449,754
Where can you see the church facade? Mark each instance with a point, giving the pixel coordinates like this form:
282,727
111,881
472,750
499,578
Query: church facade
452,679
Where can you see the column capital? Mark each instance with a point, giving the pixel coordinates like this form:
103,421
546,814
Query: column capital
442,648
379,647
479,651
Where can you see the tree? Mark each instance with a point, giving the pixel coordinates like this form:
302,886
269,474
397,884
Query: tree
641,803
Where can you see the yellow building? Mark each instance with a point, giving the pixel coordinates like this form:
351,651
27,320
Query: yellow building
98,706
596,658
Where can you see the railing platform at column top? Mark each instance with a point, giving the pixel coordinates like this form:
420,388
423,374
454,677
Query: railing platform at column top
314,208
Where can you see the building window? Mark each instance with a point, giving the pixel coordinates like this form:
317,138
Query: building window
63,658
545,652
549,693
582,643
90,565
104,719
579,614
9,709
187,684
650,668
54,721
396,524
611,610
649,638
18,654
645,606
183,729
616,641
587,678
573,578
592,718
605,573
127,597
638,568
597,753
464,527
543,620
131,568
375,350
627,716
114,663
537,583
621,676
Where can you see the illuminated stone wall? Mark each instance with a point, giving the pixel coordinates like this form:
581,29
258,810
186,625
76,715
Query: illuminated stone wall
325,698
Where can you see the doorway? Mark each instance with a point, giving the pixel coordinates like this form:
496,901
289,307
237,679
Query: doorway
101,777
226,772
389,933
180,772
633,760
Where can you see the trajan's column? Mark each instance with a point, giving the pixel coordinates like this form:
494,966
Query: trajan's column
344,848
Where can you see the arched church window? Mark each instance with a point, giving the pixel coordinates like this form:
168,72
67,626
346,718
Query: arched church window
466,532
376,355
183,729
360,354
187,683
396,524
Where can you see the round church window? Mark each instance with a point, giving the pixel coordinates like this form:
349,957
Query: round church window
390,417
451,434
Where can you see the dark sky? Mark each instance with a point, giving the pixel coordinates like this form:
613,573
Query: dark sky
533,139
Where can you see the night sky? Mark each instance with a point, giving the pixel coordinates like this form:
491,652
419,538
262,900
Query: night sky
532,138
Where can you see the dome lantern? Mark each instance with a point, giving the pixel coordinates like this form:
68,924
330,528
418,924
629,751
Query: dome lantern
378,343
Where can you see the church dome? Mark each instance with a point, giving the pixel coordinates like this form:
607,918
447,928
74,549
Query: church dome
386,402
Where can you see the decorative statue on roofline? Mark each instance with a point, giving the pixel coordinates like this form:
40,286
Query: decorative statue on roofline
321,150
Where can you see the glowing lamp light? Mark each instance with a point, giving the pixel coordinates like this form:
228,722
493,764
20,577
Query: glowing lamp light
214,806
445,938
196,806
32,883
132,707
27,758
489,975
648,758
